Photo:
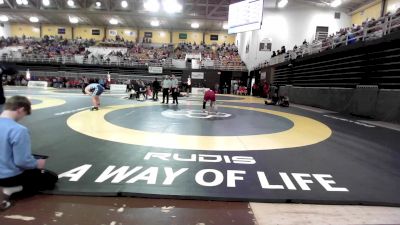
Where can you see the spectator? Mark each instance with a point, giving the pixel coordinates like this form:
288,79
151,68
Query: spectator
17,166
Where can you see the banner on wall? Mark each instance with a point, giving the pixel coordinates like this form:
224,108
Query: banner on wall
112,32
95,31
266,45
129,32
197,75
193,56
195,64
148,34
155,69
214,37
182,35
61,30
263,76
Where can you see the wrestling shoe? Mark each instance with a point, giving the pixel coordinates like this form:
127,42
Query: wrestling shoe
94,109
4,200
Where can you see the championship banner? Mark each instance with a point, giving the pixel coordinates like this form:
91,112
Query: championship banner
198,75
154,69
117,87
38,84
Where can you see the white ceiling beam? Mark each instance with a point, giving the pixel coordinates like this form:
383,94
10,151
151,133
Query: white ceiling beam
222,2
9,4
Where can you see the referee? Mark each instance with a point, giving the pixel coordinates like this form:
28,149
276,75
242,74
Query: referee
166,86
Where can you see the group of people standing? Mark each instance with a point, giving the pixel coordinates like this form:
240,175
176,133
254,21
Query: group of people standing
170,85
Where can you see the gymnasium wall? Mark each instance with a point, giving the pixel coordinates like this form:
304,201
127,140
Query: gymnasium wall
191,36
392,5
128,34
52,30
20,30
158,36
86,32
370,11
5,30
289,26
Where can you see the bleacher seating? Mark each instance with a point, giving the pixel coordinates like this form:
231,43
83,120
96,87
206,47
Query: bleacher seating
118,53
369,30
364,63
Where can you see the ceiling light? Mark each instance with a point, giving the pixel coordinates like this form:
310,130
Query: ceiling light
3,18
70,3
155,23
151,5
73,19
46,2
24,2
124,4
1,2
172,6
98,4
19,2
336,3
225,26
113,21
34,19
195,25
282,3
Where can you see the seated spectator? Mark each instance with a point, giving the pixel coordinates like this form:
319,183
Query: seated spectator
17,165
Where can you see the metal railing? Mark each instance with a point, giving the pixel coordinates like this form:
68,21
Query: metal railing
366,34
167,63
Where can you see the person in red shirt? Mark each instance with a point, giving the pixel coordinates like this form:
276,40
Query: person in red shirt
266,90
209,95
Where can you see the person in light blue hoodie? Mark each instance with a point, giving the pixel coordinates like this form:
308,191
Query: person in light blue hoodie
18,167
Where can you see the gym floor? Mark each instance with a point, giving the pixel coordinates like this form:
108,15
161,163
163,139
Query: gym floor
245,152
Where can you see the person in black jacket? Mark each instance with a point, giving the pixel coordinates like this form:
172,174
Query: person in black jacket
2,97
156,89
5,70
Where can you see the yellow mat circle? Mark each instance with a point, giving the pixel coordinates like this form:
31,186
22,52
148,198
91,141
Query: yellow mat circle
305,131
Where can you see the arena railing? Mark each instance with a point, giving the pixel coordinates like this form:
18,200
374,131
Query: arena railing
367,33
120,63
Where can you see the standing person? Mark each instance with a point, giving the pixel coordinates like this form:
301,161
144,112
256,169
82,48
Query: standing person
95,90
143,90
174,89
156,89
216,86
209,95
225,87
266,89
166,86
17,165
2,97
235,88
255,89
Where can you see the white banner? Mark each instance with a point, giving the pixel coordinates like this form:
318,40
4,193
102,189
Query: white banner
195,64
179,63
38,84
153,69
208,63
263,76
199,91
112,32
198,75
118,87
193,56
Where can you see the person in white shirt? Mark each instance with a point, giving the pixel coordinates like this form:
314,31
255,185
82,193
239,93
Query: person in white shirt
166,86
174,89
